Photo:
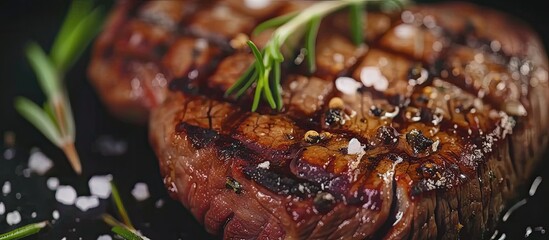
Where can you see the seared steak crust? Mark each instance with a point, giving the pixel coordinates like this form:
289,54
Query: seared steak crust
448,122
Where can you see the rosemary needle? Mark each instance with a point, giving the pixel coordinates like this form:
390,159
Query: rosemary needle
310,43
122,230
125,233
357,22
120,206
24,231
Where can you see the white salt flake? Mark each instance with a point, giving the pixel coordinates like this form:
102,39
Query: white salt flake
372,77
257,4
2,208
55,214
33,215
6,188
405,31
264,165
100,186
159,203
354,147
140,191
87,202
39,163
65,195
9,154
27,172
201,44
382,84
434,146
347,85
13,218
52,183
104,237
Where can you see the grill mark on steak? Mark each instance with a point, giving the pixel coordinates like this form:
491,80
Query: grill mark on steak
199,137
222,129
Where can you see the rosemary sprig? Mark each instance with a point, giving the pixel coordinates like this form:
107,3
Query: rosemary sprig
266,70
55,120
24,231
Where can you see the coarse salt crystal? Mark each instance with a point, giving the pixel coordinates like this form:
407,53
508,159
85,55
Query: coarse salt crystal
13,218
354,147
2,208
52,183
104,237
159,203
87,202
382,84
55,214
39,163
347,85
100,186
257,4
405,31
140,191
65,195
372,77
264,165
201,44
6,188
9,153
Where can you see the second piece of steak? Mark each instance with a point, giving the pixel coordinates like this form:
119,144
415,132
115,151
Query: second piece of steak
447,119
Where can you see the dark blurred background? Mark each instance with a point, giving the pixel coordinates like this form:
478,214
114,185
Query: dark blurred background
25,20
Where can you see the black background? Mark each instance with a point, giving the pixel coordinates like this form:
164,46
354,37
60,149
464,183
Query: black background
24,20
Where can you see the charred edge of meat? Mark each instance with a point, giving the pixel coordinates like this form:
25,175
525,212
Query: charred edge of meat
417,141
200,137
281,184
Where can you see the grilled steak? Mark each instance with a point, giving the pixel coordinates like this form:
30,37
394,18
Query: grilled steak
423,132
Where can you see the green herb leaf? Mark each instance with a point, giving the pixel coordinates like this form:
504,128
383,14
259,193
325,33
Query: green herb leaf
258,57
249,82
267,94
121,229
77,11
77,32
392,5
40,119
310,43
69,118
125,233
24,231
242,81
120,206
257,95
276,84
45,71
357,22
273,22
